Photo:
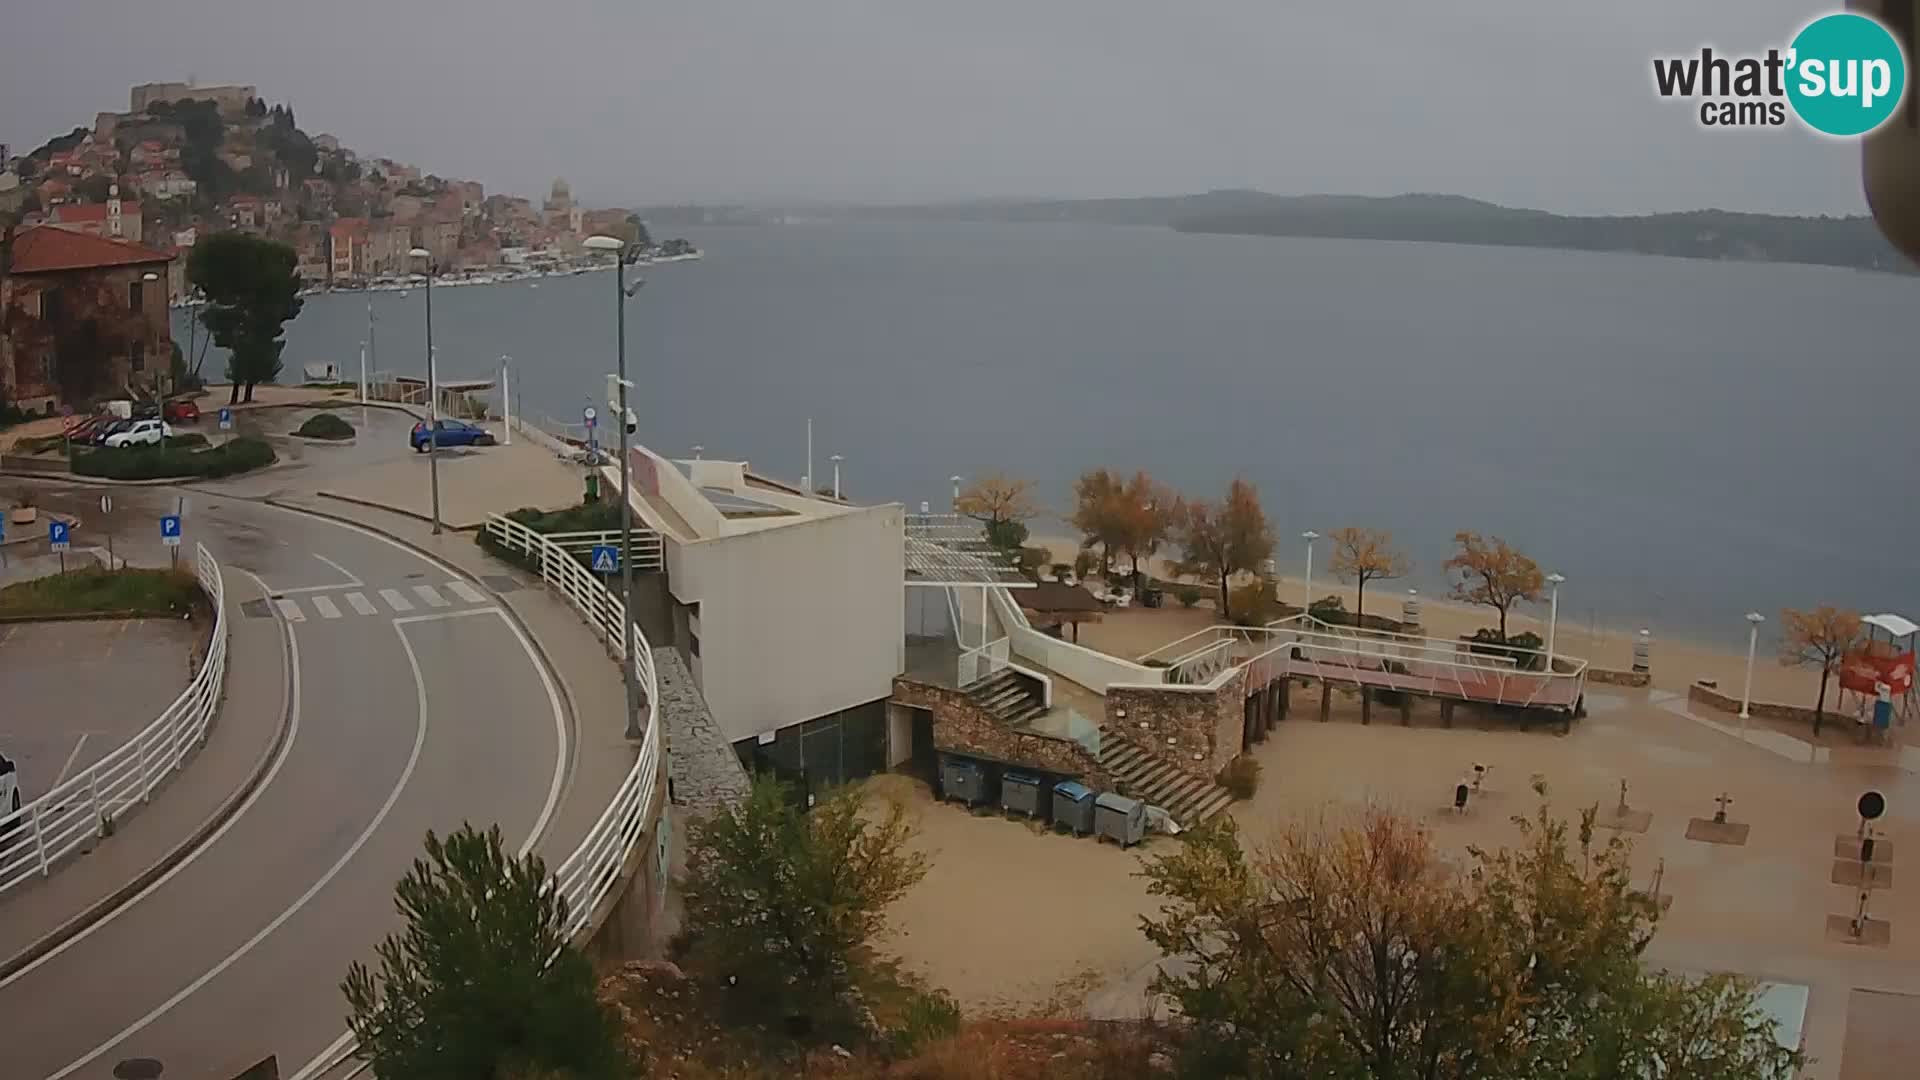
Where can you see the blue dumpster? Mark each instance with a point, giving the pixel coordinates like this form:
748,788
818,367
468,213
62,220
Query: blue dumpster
1073,806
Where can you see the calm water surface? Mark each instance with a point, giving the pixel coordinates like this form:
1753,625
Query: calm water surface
1686,441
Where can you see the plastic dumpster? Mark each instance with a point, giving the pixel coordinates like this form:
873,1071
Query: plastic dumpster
1122,819
966,780
1023,792
1073,806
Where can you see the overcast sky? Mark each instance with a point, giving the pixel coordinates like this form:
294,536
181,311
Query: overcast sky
1531,103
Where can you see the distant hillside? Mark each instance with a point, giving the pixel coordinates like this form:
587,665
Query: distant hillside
1696,234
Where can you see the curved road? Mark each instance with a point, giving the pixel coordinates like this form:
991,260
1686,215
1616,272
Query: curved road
416,704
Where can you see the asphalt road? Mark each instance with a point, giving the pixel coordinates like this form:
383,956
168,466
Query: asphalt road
417,705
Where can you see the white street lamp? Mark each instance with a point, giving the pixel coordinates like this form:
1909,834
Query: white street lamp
506,399
836,459
621,295
433,393
1754,619
1553,615
956,493
1306,598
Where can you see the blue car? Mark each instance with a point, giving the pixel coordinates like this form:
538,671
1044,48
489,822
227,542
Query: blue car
449,433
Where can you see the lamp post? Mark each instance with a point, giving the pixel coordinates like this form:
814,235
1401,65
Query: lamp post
1553,615
433,394
836,459
506,399
1306,598
146,281
956,493
621,294
1754,619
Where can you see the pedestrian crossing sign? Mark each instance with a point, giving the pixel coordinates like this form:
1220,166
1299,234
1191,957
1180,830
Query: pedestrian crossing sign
606,558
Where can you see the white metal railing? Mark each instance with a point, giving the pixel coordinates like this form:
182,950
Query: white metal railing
589,874
649,552
85,806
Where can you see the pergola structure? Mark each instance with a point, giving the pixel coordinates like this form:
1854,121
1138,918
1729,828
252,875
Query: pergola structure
950,552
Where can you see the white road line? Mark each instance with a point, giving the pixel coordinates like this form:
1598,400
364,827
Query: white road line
344,572
406,774
430,595
332,1056
290,610
395,600
286,748
324,605
442,616
71,758
466,592
361,604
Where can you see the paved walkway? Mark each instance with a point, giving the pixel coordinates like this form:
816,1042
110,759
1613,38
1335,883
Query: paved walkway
473,481
239,744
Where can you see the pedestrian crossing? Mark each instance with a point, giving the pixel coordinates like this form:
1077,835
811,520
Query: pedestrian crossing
394,601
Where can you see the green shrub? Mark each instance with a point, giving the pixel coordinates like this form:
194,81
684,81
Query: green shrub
325,426
927,1016
174,461
1241,776
95,589
1488,642
187,441
1329,609
1254,604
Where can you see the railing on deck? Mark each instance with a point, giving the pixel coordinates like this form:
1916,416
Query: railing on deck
83,807
589,874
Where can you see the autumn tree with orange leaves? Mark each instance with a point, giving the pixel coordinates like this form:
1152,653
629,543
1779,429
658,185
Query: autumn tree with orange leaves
1363,555
1488,571
1002,504
1822,637
1349,947
1225,538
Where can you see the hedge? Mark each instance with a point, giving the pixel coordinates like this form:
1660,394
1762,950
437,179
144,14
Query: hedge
97,590
325,426
174,461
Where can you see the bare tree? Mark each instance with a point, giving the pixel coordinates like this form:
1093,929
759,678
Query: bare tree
1492,573
1823,636
1363,555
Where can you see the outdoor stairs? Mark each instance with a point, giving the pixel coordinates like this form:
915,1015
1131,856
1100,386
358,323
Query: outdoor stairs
1012,698
1142,776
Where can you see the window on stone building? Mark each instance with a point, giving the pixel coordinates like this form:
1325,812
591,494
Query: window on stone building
50,306
138,358
134,291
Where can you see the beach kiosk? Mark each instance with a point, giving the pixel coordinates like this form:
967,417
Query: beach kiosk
1876,679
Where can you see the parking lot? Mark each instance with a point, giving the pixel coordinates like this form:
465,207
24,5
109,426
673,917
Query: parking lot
129,670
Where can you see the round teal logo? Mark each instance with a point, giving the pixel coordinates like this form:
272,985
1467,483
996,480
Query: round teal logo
1847,74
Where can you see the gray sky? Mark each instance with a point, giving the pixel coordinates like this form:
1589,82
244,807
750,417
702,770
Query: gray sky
642,101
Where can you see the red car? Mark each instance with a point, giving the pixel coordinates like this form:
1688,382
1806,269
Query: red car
182,411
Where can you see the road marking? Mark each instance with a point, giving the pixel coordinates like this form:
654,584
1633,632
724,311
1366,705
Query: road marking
430,595
406,774
325,607
395,600
344,572
290,609
286,748
71,758
361,604
466,592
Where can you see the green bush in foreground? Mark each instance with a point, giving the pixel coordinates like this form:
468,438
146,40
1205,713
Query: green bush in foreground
94,589
325,426
174,461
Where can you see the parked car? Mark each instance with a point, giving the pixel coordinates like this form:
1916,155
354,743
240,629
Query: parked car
101,432
183,411
142,433
9,792
450,433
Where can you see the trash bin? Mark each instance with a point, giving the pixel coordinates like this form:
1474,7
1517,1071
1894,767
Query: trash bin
1120,818
966,780
1152,598
1073,806
593,486
1023,792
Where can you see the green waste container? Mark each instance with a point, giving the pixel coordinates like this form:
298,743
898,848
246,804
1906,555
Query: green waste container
593,487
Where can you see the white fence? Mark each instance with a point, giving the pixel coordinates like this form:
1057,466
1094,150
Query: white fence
82,808
590,874
648,552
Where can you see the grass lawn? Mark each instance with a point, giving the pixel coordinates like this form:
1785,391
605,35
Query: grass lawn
141,592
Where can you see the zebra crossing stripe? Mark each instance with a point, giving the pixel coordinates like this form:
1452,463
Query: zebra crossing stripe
395,600
430,595
324,605
361,604
466,592
289,610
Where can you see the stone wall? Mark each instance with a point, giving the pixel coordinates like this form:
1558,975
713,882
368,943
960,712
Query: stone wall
1193,729
1714,699
962,726
1608,677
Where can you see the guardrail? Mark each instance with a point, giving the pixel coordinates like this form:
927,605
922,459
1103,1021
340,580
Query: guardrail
589,874
85,806
649,554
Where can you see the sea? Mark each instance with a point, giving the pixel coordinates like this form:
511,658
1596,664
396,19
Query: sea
1685,441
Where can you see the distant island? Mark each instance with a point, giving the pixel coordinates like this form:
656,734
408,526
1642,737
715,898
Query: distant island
1852,242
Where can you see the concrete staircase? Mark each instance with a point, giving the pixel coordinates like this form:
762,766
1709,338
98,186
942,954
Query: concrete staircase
1012,698
1142,776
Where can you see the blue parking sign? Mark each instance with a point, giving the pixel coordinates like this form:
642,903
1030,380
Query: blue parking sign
226,419
170,530
606,559
57,535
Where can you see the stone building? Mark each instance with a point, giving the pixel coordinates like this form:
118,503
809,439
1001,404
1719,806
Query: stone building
82,317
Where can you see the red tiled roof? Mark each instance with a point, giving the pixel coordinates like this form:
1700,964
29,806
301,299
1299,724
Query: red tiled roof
75,213
48,248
